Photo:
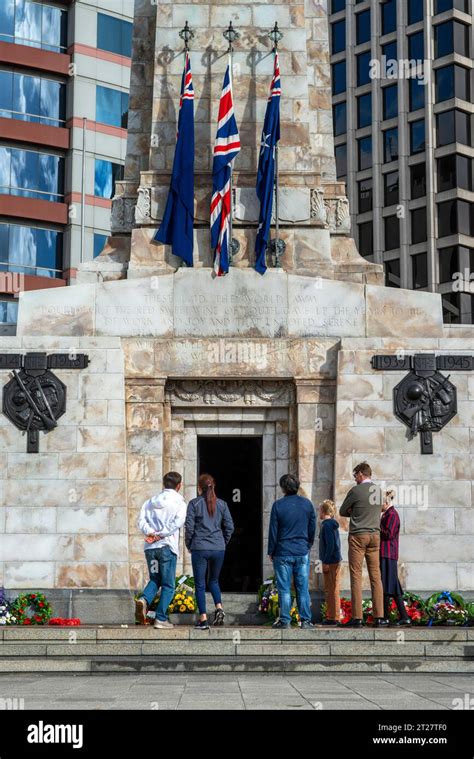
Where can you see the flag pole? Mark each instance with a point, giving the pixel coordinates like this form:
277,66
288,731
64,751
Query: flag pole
278,246
231,35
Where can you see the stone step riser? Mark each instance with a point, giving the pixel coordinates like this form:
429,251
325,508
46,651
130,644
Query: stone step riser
235,665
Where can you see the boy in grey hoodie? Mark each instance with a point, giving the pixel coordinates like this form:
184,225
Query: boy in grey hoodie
160,520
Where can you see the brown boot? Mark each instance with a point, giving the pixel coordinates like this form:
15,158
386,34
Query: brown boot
140,611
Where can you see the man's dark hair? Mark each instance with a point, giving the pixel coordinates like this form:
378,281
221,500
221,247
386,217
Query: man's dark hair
289,484
363,468
172,480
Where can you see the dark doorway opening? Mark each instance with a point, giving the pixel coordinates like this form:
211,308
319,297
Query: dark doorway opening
236,465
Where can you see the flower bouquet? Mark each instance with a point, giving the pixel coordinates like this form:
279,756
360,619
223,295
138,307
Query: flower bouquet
446,608
64,622
184,599
345,610
268,602
6,616
415,606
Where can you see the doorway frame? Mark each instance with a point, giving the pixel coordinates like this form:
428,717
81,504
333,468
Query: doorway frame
232,409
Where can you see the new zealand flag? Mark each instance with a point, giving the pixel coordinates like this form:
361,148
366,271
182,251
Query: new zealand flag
178,220
266,168
226,148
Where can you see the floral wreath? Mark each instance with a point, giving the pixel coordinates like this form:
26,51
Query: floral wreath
31,609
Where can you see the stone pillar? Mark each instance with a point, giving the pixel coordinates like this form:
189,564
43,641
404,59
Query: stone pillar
145,418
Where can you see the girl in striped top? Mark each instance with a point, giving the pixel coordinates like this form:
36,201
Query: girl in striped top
389,534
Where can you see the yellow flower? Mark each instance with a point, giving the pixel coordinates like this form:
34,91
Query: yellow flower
182,608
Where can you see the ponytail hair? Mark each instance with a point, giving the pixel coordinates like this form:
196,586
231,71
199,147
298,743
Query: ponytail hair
207,485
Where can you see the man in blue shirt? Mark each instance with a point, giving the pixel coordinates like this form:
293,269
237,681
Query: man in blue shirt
290,538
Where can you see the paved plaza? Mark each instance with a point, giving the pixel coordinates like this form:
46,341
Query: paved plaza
229,692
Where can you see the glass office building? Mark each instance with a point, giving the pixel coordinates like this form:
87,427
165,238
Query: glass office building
64,82
402,74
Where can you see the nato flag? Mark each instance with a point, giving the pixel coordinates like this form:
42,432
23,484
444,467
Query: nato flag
178,220
266,168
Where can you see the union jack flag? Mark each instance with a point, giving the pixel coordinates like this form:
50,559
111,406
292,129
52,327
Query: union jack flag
226,148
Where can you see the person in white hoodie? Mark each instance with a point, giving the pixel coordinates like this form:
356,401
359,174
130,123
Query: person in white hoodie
160,520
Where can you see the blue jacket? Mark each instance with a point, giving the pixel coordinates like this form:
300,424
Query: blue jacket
203,532
329,542
292,527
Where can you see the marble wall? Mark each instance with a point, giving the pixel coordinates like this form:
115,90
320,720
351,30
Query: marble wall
433,492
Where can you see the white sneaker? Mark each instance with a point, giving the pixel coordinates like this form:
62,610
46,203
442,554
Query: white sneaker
162,625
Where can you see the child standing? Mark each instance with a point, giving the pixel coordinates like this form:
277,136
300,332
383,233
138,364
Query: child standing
331,557
389,533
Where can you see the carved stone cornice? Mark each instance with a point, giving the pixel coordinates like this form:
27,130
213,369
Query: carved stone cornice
209,392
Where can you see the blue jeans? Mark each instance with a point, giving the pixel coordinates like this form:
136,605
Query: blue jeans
162,568
297,567
202,561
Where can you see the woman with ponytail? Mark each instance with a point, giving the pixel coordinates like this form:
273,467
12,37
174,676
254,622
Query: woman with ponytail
207,531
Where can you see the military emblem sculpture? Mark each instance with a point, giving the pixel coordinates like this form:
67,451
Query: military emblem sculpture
35,398
425,400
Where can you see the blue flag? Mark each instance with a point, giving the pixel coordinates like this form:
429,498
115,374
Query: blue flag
266,168
178,220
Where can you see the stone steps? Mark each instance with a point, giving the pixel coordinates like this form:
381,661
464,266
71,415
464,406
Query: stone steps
247,649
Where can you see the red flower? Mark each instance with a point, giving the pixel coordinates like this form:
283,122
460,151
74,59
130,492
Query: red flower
33,595
27,621
41,604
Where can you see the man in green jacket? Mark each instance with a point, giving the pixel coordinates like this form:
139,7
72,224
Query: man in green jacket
363,504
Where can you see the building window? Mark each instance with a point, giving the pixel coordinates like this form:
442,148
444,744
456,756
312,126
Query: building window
111,107
390,145
106,175
390,104
452,81
364,110
339,118
418,225
455,217
417,136
418,180
365,195
446,5
454,171
392,272
448,264
417,94
338,77
363,68
453,126
363,27
337,5
30,250
341,160
99,243
366,239
451,37
419,271
390,51
34,24
390,188
114,35
364,147
8,311
31,98
28,174
415,11
392,232
416,47
389,16
338,36
451,308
